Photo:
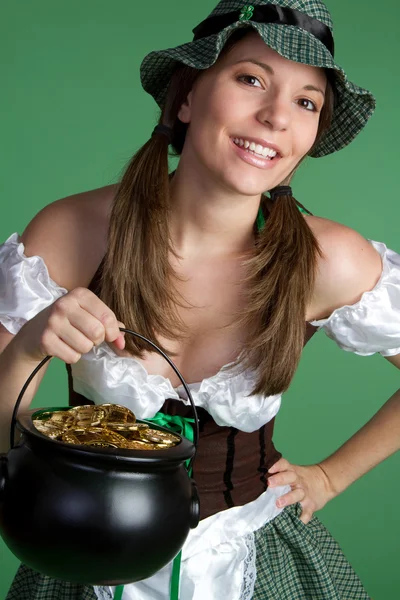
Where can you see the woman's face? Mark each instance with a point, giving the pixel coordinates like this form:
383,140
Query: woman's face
272,105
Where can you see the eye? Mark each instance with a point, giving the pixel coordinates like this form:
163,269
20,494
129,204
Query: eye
240,77
314,107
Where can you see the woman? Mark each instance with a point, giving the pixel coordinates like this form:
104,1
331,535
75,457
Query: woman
231,283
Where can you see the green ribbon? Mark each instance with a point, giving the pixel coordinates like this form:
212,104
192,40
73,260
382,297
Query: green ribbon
182,426
118,592
260,219
179,425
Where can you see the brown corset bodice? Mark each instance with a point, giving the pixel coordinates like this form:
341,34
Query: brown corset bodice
231,466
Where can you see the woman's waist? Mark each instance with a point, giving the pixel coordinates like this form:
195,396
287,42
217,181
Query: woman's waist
231,466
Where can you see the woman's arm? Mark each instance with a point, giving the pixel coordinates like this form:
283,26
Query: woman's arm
314,485
68,235
14,371
376,440
350,267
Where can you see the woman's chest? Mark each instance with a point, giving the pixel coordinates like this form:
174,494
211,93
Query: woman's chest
210,299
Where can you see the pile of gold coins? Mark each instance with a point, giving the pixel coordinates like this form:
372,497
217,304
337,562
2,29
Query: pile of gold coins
104,425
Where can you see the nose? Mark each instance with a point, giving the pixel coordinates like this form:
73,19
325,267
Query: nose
276,112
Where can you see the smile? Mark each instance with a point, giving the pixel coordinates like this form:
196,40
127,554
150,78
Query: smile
267,159
256,149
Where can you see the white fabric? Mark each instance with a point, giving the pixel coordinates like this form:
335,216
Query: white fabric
25,285
216,554
103,376
249,569
373,323
104,592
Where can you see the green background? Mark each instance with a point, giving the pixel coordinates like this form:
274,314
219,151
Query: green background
73,113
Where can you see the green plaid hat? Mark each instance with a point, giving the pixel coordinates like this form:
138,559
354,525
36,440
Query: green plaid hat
299,30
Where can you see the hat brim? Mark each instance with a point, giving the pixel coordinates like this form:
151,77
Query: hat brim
353,107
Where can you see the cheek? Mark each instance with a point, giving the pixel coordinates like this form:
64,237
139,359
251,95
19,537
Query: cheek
215,106
208,110
208,117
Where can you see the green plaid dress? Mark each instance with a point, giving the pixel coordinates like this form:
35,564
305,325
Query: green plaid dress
294,561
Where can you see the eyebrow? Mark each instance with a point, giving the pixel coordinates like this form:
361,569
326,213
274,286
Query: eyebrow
270,70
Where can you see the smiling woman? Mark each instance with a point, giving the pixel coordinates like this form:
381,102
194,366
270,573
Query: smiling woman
229,281
276,94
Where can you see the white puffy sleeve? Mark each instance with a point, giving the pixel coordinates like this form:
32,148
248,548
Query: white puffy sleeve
373,323
25,285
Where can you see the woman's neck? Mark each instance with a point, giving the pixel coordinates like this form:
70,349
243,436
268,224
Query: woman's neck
205,218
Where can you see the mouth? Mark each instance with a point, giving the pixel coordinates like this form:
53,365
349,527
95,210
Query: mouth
255,154
262,151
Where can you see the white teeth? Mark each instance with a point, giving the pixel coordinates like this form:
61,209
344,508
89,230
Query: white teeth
256,148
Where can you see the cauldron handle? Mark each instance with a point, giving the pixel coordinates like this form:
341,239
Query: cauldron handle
44,361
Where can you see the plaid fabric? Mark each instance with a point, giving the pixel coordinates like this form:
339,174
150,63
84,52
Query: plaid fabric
353,107
295,561
31,585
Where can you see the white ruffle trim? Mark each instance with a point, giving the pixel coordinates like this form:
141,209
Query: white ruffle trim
373,323
25,285
103,376
250,571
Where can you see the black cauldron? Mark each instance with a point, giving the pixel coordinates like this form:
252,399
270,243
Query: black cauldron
99,516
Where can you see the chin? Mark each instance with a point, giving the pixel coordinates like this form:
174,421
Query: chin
249,187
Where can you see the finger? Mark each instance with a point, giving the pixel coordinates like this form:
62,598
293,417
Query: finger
281,465
282,478
120,341
306,516
79,325
90,303
58,348
75,339
291,497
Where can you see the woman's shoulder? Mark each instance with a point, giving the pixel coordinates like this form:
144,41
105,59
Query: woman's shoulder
70,235
350,265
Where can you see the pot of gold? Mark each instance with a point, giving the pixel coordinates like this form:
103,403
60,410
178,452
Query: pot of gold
93,495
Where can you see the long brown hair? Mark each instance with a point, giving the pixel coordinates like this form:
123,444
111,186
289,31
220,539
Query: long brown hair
137,280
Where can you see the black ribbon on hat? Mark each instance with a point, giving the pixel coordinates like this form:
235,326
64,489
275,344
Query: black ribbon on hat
267,13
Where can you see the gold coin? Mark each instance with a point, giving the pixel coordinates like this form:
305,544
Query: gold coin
160,437
108,436
153,438
43,416
84,435
70,438
61,416
139,445
118,426
82,408
101,444
51,432
102,425
88,415
117,413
